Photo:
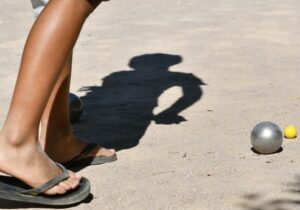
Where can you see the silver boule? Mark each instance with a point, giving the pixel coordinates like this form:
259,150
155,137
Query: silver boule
266,137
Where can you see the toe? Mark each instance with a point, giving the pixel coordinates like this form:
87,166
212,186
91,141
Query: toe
71,183
105,152
74,180
74,175
74,183
67,185
60,190
56,190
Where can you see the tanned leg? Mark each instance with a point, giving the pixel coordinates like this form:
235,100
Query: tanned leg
47,48
57,137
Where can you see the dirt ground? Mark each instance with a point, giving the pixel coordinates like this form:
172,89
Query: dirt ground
229,64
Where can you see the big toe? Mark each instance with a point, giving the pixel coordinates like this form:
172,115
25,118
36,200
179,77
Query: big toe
58,189
69,184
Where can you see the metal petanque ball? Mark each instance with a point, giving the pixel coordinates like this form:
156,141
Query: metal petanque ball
75,107
266,137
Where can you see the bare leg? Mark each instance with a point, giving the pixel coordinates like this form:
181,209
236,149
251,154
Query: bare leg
21,154
56,132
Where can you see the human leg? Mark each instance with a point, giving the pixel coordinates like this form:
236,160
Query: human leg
56,130
20,153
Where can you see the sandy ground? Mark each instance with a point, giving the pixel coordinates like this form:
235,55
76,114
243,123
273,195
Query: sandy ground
247,54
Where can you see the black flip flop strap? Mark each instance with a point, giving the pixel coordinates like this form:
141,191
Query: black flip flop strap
85,152
51,183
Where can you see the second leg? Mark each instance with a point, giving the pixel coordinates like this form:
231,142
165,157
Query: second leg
56,130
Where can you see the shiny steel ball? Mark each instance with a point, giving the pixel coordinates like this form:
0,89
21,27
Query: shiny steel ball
266,137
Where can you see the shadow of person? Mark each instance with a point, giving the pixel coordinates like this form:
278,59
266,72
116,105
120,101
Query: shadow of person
118,113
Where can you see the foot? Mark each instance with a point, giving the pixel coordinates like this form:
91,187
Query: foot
30,164
74,146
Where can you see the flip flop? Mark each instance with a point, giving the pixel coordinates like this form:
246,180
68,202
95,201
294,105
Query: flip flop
15,190
81,160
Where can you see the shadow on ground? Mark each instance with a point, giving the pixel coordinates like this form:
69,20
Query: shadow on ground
6,204
255,201
256,152
118,112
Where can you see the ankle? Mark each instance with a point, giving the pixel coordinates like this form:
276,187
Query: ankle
15,139
57,151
